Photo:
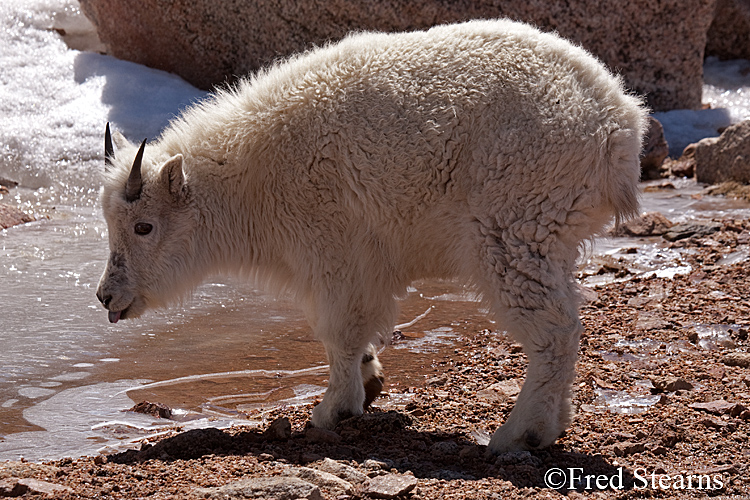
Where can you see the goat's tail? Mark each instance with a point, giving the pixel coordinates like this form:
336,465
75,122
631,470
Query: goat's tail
622,158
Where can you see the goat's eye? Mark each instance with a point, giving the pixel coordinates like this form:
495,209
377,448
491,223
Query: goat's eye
143,228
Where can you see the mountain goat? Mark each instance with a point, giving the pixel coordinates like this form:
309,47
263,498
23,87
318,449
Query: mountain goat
485,151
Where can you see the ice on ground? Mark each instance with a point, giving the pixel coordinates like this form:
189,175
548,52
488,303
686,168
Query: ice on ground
55,101
726,90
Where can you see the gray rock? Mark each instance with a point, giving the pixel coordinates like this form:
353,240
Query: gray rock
19,470
375,464
389,486
15,487
650,320
318,435
657,46
729,33
717,407
726,158
12,216
649,224
325,480
741,359
670,384
504,390
687,230
655,150
280,429
345,472
7,183
278,488
445,447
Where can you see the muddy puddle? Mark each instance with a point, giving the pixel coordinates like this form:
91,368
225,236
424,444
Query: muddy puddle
214,366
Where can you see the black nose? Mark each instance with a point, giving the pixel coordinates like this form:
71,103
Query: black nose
104,299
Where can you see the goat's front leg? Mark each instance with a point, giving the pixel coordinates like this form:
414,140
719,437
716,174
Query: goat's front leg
347,324
346,394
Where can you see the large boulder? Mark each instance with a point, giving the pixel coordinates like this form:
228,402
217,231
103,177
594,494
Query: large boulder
724,158
657,46
729,34
655,150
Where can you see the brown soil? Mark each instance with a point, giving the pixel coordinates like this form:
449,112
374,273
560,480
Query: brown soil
643,338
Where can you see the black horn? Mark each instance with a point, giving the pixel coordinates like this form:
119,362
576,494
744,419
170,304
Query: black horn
133,187
109,151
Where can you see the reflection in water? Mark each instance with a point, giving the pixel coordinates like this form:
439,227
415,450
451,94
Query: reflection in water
611,401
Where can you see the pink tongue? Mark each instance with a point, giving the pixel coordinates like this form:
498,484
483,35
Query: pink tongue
114,317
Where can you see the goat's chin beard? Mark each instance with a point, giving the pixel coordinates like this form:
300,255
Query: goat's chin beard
142,303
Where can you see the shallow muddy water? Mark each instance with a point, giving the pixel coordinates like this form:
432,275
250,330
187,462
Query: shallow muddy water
230,350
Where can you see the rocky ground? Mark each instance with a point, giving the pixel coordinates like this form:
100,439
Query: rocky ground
651,344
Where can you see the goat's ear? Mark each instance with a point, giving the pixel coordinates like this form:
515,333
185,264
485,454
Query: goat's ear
173,177
120,140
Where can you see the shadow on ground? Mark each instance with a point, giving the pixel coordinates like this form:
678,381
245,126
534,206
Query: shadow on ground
392,439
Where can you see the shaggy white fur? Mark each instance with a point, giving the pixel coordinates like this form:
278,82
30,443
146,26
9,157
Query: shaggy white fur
485,151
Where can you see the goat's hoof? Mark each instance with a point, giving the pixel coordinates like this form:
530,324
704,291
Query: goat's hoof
373,387
372,374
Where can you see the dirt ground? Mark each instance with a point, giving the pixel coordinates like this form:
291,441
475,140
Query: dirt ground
651,345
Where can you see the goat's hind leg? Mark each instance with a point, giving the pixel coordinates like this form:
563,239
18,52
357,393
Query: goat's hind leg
535,300
543,409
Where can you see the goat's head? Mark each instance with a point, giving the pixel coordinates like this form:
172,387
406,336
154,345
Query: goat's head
151,225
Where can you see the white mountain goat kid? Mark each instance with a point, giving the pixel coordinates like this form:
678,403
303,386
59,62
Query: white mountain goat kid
485,151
